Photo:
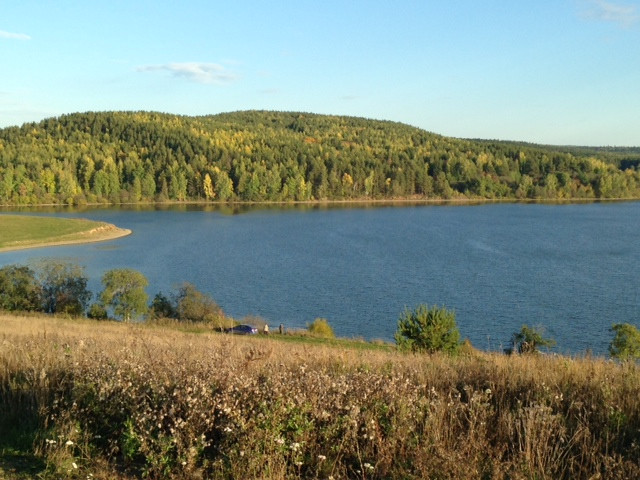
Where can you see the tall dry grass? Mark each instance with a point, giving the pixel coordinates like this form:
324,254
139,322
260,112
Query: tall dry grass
109,400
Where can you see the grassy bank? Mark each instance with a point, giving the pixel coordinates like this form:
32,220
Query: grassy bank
24,231
108,400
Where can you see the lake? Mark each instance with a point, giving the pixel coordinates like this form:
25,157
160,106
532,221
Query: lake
572,268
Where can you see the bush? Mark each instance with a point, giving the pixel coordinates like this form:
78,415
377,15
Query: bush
64,288
19,289
320,328
428,330
162,307
529,340
194,306
626,343
97,312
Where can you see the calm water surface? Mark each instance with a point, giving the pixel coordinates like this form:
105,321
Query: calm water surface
574,269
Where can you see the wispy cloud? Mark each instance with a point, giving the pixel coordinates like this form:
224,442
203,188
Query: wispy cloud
622,14
14,36
200,72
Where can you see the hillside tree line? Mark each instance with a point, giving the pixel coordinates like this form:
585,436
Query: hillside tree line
129,157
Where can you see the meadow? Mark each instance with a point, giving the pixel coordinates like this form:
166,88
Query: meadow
87,399
24,231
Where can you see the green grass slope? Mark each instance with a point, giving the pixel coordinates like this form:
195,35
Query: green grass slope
23,231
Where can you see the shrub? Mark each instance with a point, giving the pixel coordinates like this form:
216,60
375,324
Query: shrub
428,330
529,340
162,307
64,288
320,327
194,306
626,343
19,289
97,312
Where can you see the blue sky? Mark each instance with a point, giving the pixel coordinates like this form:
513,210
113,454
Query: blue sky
549,71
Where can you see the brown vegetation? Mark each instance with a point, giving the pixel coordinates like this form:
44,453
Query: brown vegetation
105,400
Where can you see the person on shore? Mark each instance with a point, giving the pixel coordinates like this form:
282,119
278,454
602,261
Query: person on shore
265,329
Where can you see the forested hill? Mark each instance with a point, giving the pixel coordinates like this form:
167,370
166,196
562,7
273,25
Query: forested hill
123,157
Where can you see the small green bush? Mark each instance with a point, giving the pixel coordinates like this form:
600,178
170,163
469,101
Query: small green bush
161,307
626,343
530,340
19,289
192,305
428,330
320,327
97,312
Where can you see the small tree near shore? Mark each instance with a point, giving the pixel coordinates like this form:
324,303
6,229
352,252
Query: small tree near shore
530,340
63,288
124,291
428,330
194,306
19,289
626,343
320,328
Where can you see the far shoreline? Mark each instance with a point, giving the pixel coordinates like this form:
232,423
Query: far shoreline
398,201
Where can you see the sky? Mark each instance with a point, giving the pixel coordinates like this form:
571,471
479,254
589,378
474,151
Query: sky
560,72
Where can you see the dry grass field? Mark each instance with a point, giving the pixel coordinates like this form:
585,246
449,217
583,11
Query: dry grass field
82,399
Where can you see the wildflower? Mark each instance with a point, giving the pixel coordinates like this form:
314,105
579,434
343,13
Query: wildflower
68,443
227,429
322,458
73,464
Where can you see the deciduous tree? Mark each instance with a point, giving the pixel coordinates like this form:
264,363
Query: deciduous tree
124,291
626,342
63,288
19,289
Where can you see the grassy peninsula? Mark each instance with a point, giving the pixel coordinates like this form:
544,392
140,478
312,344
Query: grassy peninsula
261,156
25,231
88,399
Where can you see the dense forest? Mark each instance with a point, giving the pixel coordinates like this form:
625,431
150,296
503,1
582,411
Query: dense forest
122,157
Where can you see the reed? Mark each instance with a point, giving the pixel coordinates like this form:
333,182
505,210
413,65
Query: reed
108,400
